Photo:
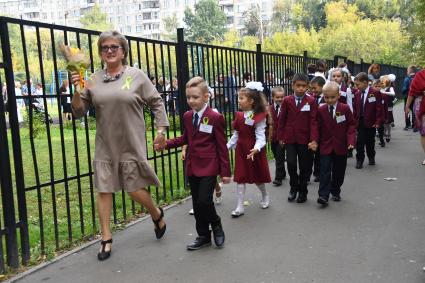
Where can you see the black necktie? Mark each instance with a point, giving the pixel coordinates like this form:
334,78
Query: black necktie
298,101
277,108
195,120
362,104
331,112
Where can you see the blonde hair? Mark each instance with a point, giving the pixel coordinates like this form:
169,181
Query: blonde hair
385,81
198,82
277,89
331,86
113,34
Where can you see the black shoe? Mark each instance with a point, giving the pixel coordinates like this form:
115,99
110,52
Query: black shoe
292,196
301,198
323,201
102,255
387,140
218,234
382,144
277,182
415,130
316,179
336,198
406,128
200,242
359,164
372,161
350,154
392,125
159,232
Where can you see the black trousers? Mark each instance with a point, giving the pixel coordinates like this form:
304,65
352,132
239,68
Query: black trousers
365,137
202,189
298,155
381,133
332,172
279,156
409,122
316,163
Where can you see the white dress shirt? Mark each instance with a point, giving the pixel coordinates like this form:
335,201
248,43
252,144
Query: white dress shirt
260,134
200,113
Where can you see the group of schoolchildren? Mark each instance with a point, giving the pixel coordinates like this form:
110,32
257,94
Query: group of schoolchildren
316,127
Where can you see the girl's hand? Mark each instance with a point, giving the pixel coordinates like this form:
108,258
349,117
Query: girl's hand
252,153
350,146
225,180
312,145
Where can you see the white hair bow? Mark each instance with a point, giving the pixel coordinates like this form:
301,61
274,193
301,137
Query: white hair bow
392,77
258,86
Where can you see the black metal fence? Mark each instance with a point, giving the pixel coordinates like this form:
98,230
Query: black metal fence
47,192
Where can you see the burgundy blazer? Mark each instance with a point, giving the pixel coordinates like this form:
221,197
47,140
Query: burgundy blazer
296,126
336,137
207,154
275,118
372,110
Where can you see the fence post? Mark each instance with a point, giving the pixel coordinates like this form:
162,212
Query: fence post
336,61
305,61
259,64
182,65
5,165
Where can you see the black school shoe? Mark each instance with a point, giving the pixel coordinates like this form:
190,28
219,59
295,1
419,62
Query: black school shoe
277,182
199,243
302,198
292,195
372,161
323,201
219,236
336,198
359,164
316,179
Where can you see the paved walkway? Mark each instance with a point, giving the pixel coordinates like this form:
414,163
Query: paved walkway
376,234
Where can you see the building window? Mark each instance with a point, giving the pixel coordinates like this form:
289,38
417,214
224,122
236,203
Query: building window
147,16
128,28
138,28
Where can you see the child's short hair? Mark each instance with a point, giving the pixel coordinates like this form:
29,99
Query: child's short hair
362,77
300,77
277,89
259,104
319,80
198,82
385,81
331,86
311,68
321,64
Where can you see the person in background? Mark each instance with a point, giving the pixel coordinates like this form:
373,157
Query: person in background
410,116
65,100
374,71
311,69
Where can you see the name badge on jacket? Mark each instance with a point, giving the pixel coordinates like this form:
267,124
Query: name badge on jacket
340,119
249,122
372,99
205,128
305,108
343,93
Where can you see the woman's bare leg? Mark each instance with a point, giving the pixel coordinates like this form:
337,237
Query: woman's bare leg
104,206
144,198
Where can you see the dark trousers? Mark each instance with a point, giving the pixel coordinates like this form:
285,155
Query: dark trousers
381,133
316,163
298,155
202,189
409,122
365,137
279,156
332,172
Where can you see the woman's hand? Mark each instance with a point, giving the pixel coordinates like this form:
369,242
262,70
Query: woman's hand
75,79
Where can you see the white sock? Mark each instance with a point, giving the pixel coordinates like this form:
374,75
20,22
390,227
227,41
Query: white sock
240,194
262,188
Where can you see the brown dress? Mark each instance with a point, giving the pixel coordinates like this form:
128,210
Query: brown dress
120,159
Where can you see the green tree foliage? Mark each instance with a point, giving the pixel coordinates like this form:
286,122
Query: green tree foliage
281,17
95,19
171,23
417,35
206,23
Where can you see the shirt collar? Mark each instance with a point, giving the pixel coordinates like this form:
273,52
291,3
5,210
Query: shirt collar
366,91
335,105
201,112
247,113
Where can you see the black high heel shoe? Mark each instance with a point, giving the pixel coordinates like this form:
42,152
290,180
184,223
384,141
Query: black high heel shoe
159,232
102,255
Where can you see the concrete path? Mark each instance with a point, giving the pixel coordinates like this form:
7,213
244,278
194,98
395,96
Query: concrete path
376,234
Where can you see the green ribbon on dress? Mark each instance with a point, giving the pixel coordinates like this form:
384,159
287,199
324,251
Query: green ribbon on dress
127,83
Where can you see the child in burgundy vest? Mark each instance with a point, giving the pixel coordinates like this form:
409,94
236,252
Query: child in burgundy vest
249,140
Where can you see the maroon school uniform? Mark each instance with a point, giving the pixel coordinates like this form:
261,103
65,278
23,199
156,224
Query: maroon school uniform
390,105
246,170
343,94
275,118
372,109
337,133
384,109
207,153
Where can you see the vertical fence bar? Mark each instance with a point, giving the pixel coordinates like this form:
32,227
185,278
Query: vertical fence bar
259,64
6,174
182,72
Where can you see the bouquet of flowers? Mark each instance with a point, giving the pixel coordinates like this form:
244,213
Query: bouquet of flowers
76,62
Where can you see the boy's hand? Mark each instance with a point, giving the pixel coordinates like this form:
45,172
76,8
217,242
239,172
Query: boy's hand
160,143
282,143
183,155
350,146
252,153
312,145
225,180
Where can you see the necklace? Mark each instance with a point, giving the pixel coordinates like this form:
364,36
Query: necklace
110,78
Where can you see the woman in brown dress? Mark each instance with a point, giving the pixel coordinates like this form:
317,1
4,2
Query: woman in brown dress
118,93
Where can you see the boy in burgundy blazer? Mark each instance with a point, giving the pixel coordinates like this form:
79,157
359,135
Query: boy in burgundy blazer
316,89
298,131
207,156
337,130
278,94
367,108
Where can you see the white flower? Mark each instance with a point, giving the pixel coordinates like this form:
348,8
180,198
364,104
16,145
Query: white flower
255,86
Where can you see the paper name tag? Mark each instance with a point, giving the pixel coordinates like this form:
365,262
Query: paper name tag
68,100
390,109
306,108
372,99
249,122
206,128
343,93
340,119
